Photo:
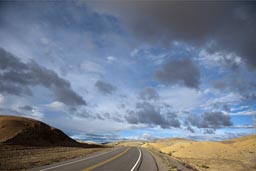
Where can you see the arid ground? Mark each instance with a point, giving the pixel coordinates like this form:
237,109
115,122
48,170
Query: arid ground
236,154
20,157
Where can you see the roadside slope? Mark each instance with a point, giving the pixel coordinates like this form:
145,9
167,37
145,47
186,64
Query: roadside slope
236,154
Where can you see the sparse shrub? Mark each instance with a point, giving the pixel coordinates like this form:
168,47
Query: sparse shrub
205,166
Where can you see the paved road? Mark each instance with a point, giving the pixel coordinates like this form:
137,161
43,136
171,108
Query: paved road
120,159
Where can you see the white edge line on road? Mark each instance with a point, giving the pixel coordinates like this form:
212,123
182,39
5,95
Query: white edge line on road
78,160
137,160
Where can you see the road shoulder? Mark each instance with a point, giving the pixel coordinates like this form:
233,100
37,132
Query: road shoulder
168,163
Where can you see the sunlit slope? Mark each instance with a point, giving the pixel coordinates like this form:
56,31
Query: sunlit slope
25,131
235,154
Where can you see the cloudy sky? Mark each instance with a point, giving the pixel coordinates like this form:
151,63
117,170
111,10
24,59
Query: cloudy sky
111,70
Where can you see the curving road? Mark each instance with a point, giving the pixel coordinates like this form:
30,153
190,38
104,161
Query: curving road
121,159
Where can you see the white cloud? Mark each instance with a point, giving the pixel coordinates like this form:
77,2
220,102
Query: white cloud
56,105
243,126
228,98
44,41
239,108
111,59
107,106
182,98
246,112
220,99
36,114
91,67
1,98
82,125
219,57
134,52
149,137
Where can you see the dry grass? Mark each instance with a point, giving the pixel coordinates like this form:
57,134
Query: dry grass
236,155
22,158
165,163
29,132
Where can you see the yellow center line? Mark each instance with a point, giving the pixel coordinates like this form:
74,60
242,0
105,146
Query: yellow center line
106,161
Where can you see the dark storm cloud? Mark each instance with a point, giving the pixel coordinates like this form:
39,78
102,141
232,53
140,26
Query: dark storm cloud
250,97
27,108
209,131
149,93
183,72
52,15
172,119
220,106
209,120
18,77
230,25
226,108
217,119
189,128
150,114
243,84
236,82
104,87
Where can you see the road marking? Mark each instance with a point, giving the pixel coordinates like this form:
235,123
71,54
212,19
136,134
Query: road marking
106,161
137,161
78,160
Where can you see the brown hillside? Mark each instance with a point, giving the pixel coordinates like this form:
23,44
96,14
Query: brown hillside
24,131
237,154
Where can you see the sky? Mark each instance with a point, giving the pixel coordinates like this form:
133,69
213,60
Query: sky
114,70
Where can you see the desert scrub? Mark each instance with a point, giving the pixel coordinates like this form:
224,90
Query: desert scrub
205,166
22,158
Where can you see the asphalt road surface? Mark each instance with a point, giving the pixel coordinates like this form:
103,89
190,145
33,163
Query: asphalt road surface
120,159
